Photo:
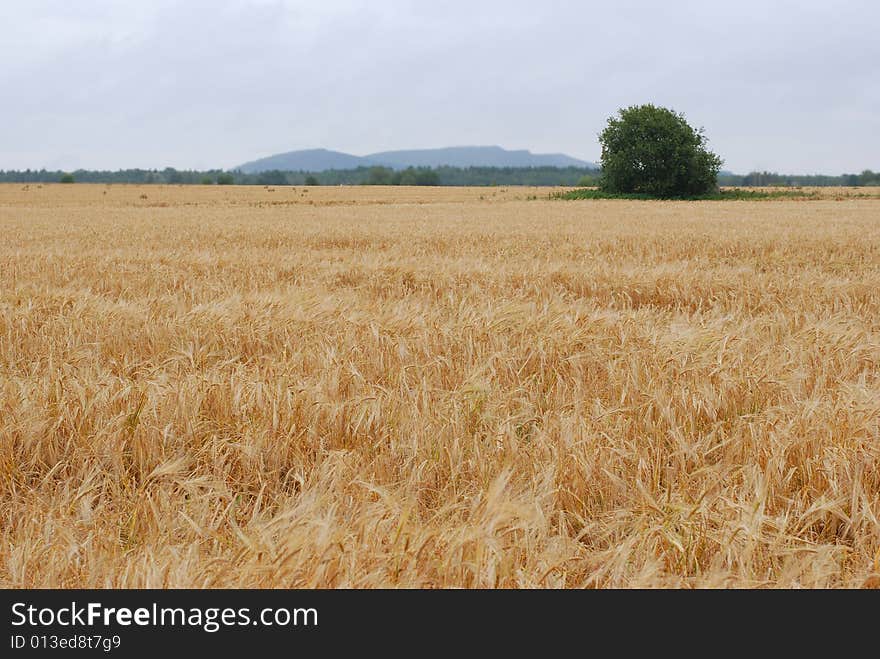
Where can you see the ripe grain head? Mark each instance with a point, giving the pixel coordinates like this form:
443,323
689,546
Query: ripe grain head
448,387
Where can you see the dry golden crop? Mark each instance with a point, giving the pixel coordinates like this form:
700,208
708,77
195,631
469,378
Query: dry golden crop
359,387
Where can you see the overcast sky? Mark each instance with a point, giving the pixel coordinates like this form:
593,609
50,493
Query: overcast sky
786,86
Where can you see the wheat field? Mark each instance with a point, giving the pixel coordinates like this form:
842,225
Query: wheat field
406,387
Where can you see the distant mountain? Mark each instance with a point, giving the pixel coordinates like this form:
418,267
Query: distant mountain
310,160
318,160
473,156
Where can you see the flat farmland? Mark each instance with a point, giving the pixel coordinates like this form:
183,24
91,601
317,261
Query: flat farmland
436,387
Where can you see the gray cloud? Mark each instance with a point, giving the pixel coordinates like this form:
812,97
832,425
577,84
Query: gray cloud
787,86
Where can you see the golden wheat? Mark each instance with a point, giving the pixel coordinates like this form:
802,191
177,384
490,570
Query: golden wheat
364,387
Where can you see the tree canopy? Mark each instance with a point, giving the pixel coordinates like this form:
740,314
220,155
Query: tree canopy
652,150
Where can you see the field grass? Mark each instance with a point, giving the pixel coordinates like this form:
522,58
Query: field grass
727,194
399,387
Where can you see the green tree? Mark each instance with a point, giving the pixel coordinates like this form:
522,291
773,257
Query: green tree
66,178
416,176
272,177
380,176
427,176
207,180
653,150
225,179
312,180
173,176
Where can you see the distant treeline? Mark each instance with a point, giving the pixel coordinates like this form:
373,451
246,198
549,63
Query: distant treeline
763,179
477,176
